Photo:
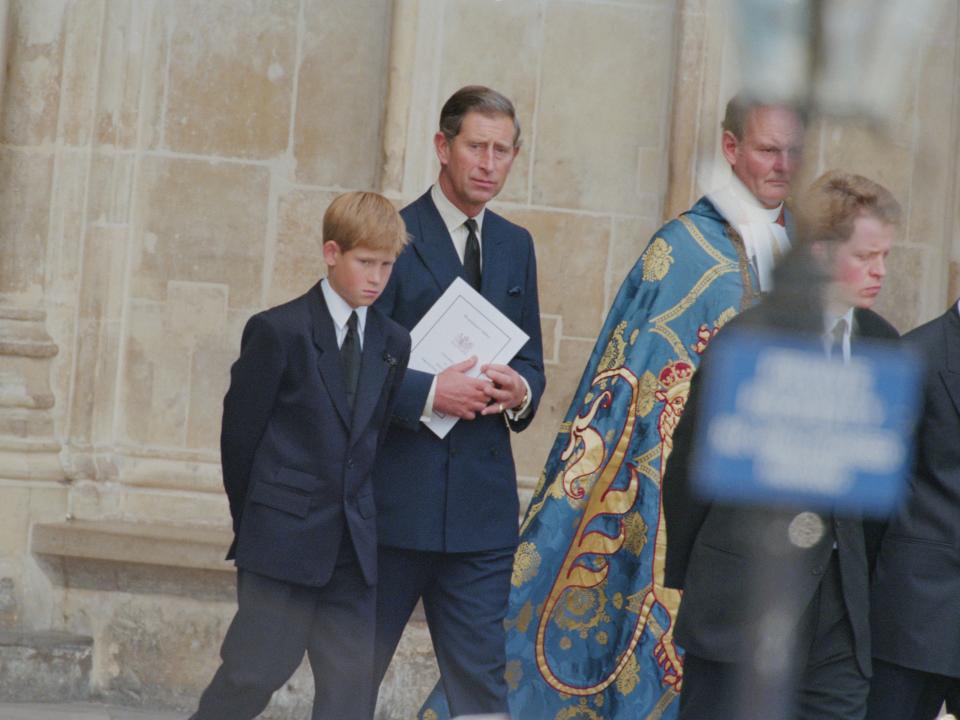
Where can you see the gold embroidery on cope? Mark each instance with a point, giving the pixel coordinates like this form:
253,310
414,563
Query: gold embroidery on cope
629,678
750,293
646,399
615,352
636,532
578,712
603,500
513,674
657,260
526,564
587,480
660,324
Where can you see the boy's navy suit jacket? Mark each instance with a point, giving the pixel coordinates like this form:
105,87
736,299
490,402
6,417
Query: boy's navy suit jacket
296,464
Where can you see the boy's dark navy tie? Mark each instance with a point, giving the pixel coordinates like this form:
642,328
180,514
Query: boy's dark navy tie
350,356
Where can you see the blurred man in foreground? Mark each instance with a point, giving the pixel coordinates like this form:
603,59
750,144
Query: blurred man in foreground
848,226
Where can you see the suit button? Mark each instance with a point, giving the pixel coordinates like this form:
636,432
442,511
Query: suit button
818,570
453,453
349,463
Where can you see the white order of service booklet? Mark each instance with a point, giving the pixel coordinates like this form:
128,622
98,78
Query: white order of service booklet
462,323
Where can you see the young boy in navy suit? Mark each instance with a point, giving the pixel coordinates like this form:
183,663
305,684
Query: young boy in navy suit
308,406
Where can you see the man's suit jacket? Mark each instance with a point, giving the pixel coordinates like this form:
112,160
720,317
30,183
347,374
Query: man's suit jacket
296,462
711,548
916,591
457,494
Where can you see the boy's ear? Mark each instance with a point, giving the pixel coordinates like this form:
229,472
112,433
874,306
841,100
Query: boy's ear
820,252
331,253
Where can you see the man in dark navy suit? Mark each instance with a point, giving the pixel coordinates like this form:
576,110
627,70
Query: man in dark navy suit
448,508
309,402
848,223
915,598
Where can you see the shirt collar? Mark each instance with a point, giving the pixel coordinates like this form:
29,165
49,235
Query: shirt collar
755,209
452,216
340,309
830,320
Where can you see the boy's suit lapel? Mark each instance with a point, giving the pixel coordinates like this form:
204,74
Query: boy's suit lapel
328,354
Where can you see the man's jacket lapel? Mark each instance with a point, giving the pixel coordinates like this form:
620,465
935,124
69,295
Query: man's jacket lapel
433,244
493,271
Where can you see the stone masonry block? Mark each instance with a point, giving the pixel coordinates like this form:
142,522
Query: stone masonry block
24,216
341,91
574,290
44,666
229,91
200,221
587,159
33,81
298,262
512,34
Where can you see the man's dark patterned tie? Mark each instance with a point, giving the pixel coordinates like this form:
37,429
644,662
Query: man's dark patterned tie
471,255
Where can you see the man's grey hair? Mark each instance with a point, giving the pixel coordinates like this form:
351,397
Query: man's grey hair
740,106
476,98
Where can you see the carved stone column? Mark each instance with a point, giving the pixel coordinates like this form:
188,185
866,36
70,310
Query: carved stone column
28,448
704,77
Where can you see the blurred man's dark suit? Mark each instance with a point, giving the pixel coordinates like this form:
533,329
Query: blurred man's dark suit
916,592
712,548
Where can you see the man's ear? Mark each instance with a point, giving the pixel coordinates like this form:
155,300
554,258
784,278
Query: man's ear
331,253
729,145
442,147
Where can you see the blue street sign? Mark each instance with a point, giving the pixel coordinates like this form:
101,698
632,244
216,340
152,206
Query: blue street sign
781,423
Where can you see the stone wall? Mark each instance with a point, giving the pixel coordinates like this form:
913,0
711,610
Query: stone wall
165,166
